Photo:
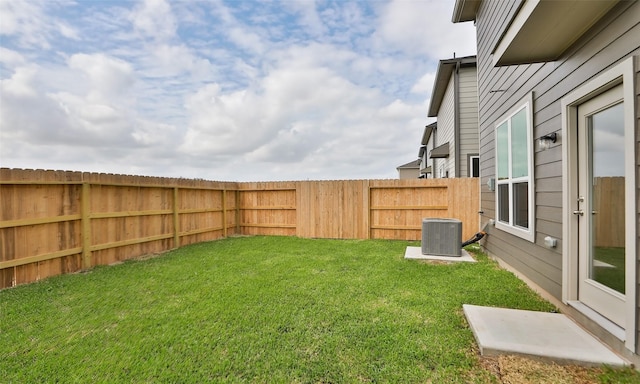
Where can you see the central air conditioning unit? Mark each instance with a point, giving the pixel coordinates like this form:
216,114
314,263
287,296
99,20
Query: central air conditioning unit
442,237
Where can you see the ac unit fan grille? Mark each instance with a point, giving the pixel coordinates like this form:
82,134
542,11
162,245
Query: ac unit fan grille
442,237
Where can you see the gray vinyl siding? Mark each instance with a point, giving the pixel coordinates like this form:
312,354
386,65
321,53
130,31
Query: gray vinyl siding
410,173
445,131
611,40
430,163
468,118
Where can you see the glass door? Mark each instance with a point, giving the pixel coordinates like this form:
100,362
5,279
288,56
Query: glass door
601,202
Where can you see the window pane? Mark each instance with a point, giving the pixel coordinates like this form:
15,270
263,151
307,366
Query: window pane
607,187
503,203
475,167
519,148
502,143
521,205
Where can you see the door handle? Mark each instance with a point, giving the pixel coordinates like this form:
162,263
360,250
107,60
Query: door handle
579,212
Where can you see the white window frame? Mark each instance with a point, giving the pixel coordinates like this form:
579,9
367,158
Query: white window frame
470,165
525,233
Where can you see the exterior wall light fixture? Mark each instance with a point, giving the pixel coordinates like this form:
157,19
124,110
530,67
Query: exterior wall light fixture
545,141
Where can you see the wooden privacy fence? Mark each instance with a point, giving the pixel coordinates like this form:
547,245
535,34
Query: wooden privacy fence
61,222
54,222
609,207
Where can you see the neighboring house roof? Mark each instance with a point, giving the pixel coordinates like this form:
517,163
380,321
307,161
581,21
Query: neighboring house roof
541,31
415,164
426,170
465,10
443,75
428,130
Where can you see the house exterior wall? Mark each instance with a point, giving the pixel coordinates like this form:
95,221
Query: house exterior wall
408,173
426,162
468,118
611,40
446,132
423,161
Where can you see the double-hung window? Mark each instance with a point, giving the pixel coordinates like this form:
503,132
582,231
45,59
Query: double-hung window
514,171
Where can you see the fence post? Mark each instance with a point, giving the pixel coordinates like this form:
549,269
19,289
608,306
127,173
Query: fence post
224,212
367,207
85,219
176,219
238,212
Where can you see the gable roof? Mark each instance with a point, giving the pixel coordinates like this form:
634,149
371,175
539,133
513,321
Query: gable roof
428,130
465,10
415,164
445,70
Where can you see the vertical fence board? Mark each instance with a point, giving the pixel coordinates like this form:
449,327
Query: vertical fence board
304,214
224,213
86,225
231,208
175,207
7,237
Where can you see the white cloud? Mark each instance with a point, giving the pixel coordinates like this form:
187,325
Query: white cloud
149,133
32,25
68,31
10,57
24,20
22,83
247,40
109,78
27,115
221,123
91,123
155,19
173,60
309,17
425,28
99,114
424,84
347,17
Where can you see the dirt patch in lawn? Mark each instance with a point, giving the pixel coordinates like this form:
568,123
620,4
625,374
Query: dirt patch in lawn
520,370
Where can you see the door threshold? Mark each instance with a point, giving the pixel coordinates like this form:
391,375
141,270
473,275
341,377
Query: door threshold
602,321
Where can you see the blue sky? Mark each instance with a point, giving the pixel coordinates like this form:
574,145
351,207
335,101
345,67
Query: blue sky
221,90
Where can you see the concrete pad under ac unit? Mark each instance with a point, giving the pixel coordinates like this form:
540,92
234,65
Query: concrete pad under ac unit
415,253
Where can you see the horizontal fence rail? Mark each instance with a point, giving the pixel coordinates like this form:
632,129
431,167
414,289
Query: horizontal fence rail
56,222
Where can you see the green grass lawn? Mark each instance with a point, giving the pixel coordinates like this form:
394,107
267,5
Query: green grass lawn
259,309
613,275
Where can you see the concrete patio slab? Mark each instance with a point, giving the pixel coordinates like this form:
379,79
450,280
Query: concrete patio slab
416,254
544,336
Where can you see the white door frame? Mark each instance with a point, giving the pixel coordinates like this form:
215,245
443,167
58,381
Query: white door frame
622,73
